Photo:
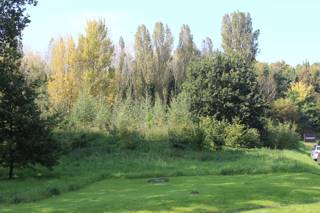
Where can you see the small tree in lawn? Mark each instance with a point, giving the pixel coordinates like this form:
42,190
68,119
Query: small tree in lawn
24,136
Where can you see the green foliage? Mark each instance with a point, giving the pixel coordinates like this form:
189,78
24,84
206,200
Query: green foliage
183,131
214,133
251,139
274,79
284,110
84,110
103,118
310,115
146,113
144,66
162,45
13,22
184,53
221,133
281,135
266,81
159,113
95,47
225,87
126,117
237,135
25,138
238,36
283,75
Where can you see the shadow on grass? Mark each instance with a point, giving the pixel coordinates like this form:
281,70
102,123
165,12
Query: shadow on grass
215,194
93,157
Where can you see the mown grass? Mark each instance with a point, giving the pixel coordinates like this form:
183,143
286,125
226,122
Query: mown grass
185,194
295,208
104,157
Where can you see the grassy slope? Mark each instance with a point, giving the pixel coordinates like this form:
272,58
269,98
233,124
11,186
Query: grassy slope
125,169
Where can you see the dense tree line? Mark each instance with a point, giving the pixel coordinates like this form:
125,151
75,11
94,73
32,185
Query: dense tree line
228,85
196,96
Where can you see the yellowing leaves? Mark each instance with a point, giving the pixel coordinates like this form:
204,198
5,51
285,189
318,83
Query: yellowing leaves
300,91
86,64
63,85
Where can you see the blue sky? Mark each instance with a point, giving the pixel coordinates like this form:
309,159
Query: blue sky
290,30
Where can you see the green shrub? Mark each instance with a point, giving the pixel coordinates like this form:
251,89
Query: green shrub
84,110
103,118
146,114
233,134
221,133
126,117
159,113
251,139
281,135
214,133
185,137
237,135
284,110
183,131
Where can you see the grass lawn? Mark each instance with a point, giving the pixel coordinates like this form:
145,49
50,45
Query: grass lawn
210,194
305,208
104,176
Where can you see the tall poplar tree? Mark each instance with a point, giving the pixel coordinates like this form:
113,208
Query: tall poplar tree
162,45
238,36
95,47
144,66
95,61
185,51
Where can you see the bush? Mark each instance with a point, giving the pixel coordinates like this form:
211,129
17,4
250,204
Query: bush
237,135
251,139
183,131
284,110
103,118
185,137
234,134
281,135
126,117
159,113
225,87
84,110
221,133
214,133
